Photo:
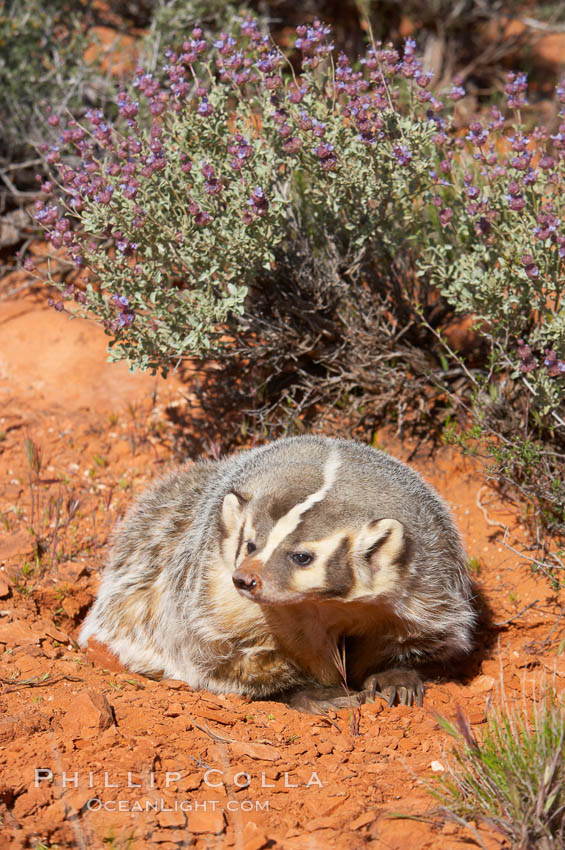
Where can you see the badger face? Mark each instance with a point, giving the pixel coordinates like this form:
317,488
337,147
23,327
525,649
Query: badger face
298,543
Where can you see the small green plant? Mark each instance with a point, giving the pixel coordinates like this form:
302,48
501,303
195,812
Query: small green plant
34,460
474,566
513,598
513,776
112,842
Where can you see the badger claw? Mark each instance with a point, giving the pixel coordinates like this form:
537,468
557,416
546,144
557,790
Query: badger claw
406,686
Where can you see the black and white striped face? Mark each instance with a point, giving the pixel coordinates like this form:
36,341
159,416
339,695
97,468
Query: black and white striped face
299,542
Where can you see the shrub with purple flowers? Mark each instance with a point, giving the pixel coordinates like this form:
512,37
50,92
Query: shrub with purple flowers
188,193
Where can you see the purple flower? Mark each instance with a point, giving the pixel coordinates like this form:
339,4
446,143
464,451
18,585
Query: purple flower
555,368
225,44
546,162
456,93
296,93
156,107
527,360
547,224
126,318
516,203
105,196
267,64
273,82
54,155
323,151
477,134
402,154
292,145
279,117
205,107
258,202
126,106
530,267
515,89
424,79
445,216
497,119
483,226
213,186
318,129
202,219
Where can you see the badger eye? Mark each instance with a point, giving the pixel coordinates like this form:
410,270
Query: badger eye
251,547
301,559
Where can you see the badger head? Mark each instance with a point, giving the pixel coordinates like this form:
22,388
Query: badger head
298,535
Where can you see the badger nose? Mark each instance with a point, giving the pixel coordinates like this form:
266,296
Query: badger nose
246,581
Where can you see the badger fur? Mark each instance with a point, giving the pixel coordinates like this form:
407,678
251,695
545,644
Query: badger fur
244,574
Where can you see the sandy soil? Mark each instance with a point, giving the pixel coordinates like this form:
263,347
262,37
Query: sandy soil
93,756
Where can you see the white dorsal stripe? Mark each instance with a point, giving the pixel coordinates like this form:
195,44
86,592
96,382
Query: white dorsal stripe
289,522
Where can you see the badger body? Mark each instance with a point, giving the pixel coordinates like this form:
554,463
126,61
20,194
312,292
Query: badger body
246,574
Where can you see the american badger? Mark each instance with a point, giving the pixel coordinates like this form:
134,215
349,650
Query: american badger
248,574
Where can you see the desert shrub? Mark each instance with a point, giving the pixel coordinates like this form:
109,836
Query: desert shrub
513,776
234,160
313,227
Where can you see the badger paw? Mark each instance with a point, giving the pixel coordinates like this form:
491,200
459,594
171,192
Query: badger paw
403,685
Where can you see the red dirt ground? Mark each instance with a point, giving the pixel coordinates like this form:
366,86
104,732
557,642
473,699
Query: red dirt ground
278,779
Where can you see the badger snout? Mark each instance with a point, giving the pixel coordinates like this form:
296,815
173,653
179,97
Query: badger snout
247,583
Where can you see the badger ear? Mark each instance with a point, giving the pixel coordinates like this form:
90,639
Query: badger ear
232,511
382,542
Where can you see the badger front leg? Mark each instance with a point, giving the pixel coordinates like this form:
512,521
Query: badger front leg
320,700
